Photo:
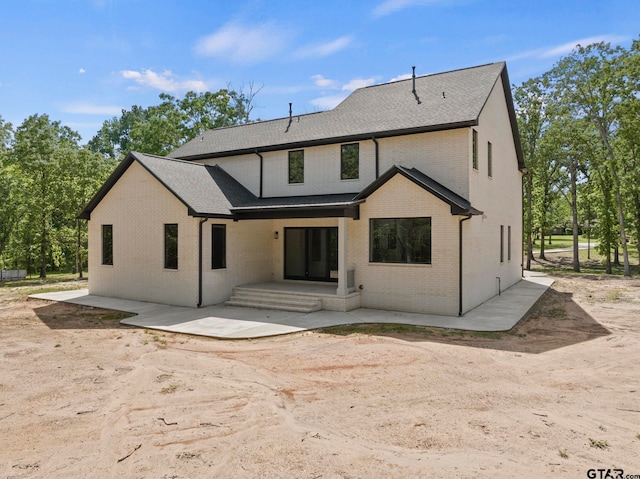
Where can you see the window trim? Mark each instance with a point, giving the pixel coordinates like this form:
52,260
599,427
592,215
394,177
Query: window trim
342,160
168,264
108,262
291,182
429,246
474,149
223,263
489,159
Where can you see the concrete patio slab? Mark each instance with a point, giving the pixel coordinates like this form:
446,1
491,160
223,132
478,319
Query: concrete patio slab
500,313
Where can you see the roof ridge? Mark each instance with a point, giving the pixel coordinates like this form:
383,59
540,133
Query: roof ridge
426,75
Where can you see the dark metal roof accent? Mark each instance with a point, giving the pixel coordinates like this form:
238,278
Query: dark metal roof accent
459,205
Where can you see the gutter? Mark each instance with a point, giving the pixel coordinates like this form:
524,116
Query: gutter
468,217
373,138
261,161
202,221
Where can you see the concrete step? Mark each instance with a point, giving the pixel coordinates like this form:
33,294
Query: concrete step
278,300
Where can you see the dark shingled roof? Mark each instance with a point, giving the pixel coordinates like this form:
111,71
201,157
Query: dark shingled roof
205,190
446,100
459,205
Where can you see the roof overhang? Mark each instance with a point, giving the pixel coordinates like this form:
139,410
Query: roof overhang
330,140
458,204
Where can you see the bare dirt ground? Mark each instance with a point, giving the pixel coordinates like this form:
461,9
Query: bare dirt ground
83,397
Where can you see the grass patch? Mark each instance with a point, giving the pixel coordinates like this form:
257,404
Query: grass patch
372,329
171,388
51,278
487,334
557,313
598,444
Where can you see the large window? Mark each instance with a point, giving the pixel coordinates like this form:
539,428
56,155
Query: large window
171,246
350,162
474,152
218,246
107,244
296,166
400,240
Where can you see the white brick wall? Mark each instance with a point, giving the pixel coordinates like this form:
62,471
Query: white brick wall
407,287
500,197
138,206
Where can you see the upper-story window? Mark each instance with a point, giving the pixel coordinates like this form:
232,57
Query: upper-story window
296,166
350,162
475,150
489,159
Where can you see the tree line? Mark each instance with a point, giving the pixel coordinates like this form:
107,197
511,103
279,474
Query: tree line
47,176
580,130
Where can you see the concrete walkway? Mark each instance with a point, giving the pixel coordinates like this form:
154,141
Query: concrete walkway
500,313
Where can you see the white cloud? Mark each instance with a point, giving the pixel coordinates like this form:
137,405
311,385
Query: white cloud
565,48
328,102
404,76
244,44
323,82
84,108
358,83
82,70
164,81
391,6
324,49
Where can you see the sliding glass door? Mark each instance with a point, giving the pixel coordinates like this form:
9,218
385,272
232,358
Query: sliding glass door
311,253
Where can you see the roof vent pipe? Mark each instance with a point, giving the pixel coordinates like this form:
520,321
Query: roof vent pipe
290,117
413,77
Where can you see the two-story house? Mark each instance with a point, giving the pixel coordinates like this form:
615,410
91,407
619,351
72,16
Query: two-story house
406,196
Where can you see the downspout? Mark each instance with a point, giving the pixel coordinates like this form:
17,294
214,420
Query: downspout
468,217
261,161
373,138
202,221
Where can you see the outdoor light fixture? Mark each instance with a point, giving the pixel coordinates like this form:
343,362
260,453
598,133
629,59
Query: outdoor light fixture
275,235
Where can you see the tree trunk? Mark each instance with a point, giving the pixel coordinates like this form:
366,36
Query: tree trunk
608,262
616,182
78,245
529,219
43,248
541,255
574,214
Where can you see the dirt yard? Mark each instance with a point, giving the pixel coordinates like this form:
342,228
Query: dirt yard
83,397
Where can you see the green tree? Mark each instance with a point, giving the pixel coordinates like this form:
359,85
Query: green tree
589,84
39,148
161,128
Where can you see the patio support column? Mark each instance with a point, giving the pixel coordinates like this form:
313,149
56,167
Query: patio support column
342,257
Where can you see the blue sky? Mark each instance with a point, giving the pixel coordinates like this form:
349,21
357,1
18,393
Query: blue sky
83,61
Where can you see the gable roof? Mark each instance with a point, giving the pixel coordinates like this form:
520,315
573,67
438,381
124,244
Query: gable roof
205,190
448,100
210,192
459,205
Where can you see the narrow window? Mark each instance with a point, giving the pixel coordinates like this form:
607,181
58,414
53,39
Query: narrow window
400,240
296,166
502,243
508,243
218,246
107,244
489,159
475,150
171,246
350,162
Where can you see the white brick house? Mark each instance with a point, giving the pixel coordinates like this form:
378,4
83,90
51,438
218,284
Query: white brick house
407,196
